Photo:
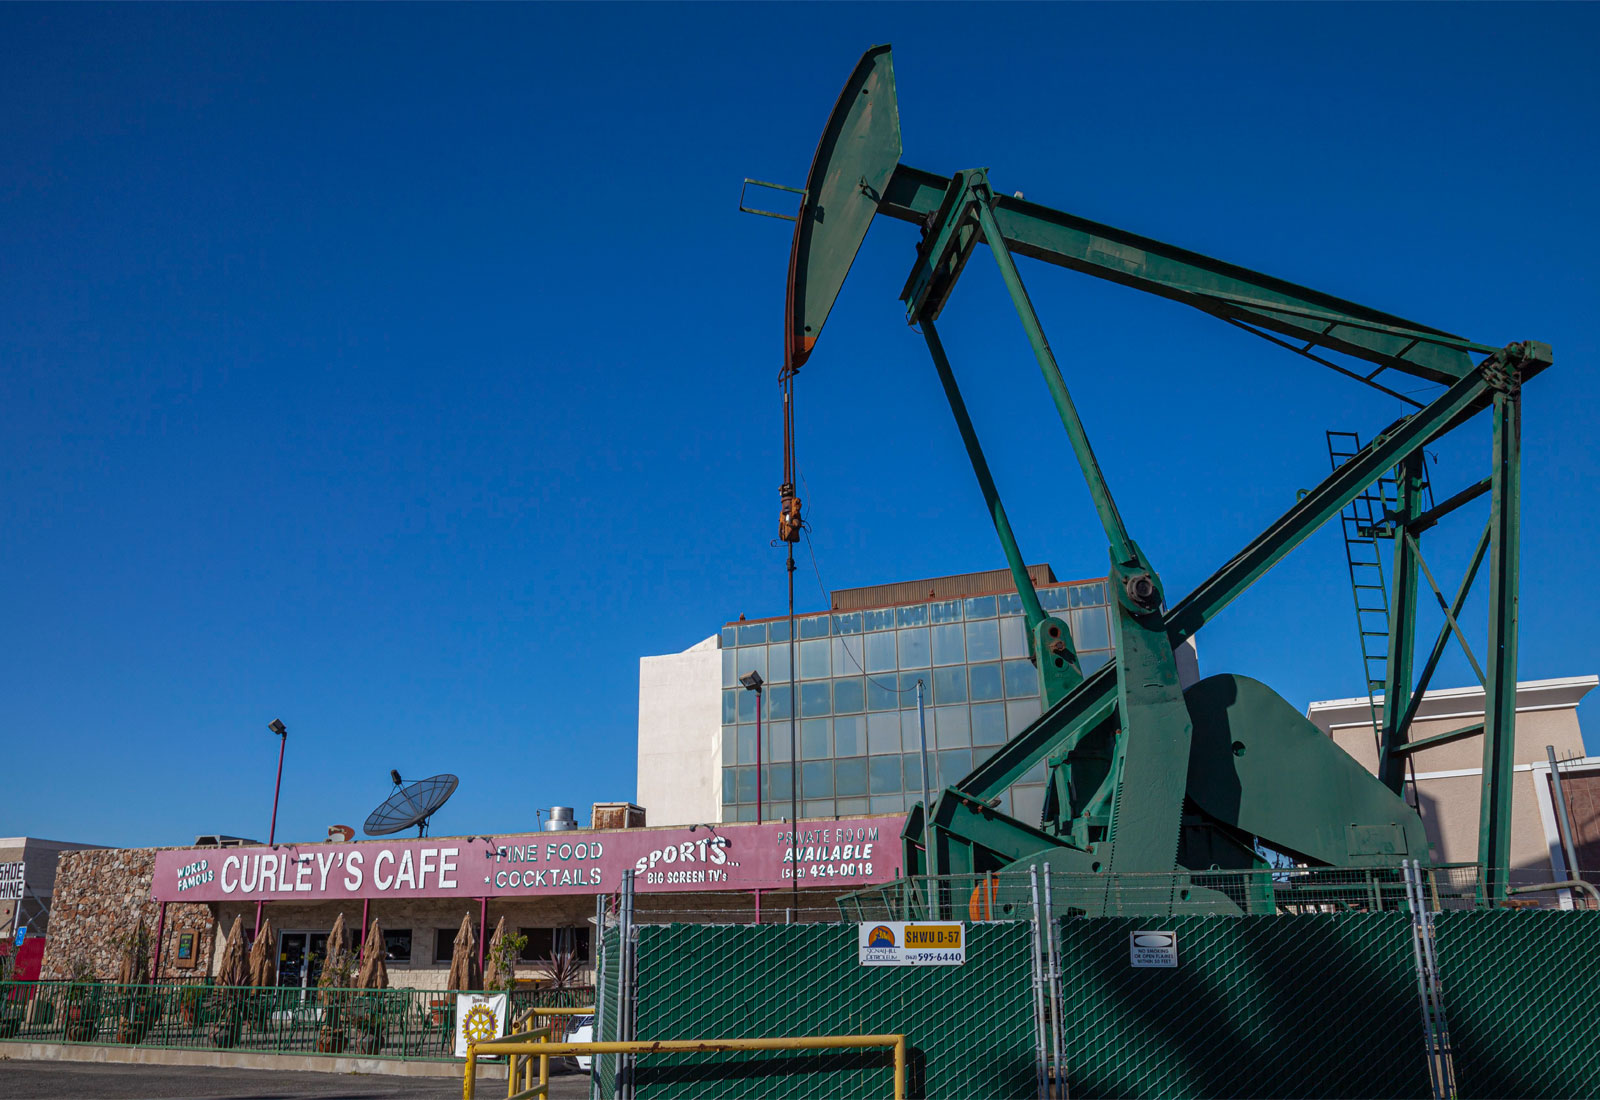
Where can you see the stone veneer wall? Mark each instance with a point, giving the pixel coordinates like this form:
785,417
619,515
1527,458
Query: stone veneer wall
100,895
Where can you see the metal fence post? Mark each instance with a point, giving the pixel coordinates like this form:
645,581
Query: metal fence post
623,1088
595,1030
1430,959
1421,979
1416,903
1038,989
1054,976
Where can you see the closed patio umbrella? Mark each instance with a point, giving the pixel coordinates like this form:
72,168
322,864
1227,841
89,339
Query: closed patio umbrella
464,960
262,967
498,975
335,958
231,971
374,973
135,956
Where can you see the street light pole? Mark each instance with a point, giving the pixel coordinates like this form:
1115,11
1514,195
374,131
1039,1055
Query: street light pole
752,682
927,802
277,727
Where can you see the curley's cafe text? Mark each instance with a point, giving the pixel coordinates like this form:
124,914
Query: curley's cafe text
865,850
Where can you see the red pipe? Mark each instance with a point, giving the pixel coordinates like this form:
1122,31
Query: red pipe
759,765
758,906
366,907
483,930
155,962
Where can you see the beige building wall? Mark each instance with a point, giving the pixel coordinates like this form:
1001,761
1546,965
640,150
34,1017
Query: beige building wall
680,735
41,856
1449,778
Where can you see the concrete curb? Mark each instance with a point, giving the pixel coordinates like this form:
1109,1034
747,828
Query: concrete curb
230,1059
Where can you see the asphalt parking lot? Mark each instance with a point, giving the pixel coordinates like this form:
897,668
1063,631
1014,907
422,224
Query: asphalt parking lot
20,1080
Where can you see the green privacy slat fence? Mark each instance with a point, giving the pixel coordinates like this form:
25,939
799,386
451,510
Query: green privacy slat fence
604,1066
1519,990
382,1023
1269,1006
969,1027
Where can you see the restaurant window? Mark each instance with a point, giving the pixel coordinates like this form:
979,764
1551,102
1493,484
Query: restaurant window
444,944
540,943
397,945
544,943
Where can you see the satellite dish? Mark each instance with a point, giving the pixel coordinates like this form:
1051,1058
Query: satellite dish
411,804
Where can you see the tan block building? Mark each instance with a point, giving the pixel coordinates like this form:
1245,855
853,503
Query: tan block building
1449,777
41,857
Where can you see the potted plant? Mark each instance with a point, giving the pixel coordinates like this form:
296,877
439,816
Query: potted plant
225,1008
499,971
82,1001
367,1018
83,1013
137,1006
140,1015
563,973
189,1002
11,1008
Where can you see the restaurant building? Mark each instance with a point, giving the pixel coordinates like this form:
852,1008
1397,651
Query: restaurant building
544,885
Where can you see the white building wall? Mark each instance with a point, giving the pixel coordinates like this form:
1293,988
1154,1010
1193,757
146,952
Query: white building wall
680,735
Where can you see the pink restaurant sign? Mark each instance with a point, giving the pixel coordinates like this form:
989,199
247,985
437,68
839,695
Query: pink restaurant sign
841,854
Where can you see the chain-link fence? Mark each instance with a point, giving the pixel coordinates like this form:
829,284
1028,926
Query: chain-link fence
1288,982
1520,989
969,1027
1292,1006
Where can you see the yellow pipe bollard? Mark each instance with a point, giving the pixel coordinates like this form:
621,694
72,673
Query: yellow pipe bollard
900,1067
538,1044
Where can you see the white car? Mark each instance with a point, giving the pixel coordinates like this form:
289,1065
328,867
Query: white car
581,1031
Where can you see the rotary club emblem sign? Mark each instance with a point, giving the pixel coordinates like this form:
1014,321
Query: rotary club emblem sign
479,1017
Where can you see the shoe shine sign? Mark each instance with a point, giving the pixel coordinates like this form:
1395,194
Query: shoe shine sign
851,851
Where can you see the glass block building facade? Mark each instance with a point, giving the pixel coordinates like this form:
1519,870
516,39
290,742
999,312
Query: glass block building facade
856,694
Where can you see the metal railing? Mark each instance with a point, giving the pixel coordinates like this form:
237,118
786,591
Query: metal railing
526,1025
1266,891
374,1023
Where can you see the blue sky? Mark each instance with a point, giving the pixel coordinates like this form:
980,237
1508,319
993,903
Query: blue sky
408,372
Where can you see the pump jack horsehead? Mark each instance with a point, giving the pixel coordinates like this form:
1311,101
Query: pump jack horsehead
1189,785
